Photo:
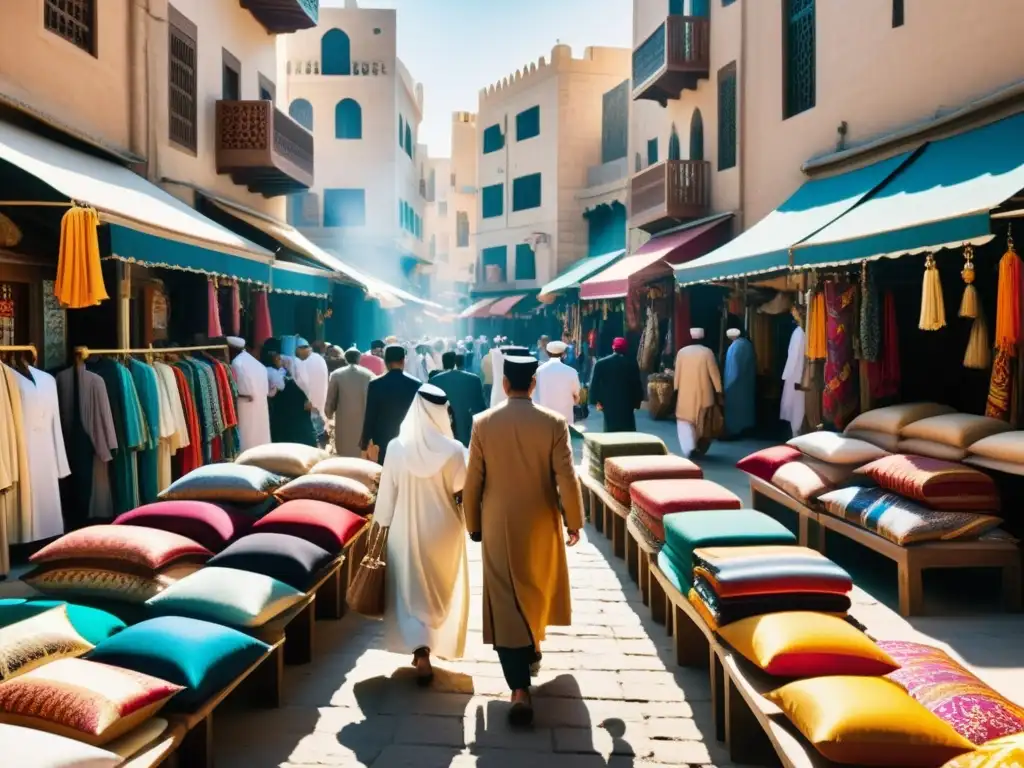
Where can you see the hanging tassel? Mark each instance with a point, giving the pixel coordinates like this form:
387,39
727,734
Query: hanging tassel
933,309
978,356
969,303
1008,318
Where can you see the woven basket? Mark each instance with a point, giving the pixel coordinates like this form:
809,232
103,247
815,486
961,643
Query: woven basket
661,397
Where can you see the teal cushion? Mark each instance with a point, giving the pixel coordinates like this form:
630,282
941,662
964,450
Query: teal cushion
667,565
199,655
226,596
91,623
687,531
224,484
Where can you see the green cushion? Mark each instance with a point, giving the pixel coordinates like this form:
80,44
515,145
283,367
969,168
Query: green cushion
199,655
667,564
687,531
91,623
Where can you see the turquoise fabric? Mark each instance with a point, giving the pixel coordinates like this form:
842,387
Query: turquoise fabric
126,472
91,623
289,281
156,251
199,655
581,271
148,388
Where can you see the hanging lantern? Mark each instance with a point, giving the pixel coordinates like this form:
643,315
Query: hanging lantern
969,304
933,309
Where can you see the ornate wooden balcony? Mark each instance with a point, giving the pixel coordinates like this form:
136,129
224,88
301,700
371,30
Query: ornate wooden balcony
675,57
279,17
262,148
668,193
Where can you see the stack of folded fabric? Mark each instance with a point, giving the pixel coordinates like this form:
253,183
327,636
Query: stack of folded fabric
735,583
652,500
620,472
599,446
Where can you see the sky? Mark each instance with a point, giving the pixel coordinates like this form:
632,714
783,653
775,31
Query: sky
457,47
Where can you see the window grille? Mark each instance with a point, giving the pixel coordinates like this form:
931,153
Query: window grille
800,53
74,20
182,71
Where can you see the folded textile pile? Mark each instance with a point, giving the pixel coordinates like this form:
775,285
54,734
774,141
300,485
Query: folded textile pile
620,472
652,500
600,446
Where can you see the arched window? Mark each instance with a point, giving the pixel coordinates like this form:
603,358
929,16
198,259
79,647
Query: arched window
335,53
673,144
348,120
302,113
408,140
696,136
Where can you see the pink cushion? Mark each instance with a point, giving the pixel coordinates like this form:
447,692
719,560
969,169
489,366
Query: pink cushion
147,548
200,521
328,526
938,484
763,464
662,497
624,470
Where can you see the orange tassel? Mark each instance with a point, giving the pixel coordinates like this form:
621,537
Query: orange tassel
1008,303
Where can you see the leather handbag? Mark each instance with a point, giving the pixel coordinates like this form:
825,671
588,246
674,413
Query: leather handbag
367,593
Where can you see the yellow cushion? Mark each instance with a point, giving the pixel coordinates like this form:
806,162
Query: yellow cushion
1006,752
32,642
806,644
867,721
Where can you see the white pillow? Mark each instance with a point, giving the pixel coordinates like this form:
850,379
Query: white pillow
24,747
883,440
956,429
892,418
833,448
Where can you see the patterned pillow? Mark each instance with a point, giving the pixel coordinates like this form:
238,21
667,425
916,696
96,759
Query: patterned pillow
97,583
286,459
938,484
37,641
620,472
800,481
83,699
143,550
229,483
328,526
366,472
834,448
902,521
762,464
296,562
203,522
945,688
1007,752
340,491
39,749
93,624
662,497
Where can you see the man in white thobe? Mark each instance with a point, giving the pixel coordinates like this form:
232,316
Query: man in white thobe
498,355
558,385
698,384
794,400
253,390
309,369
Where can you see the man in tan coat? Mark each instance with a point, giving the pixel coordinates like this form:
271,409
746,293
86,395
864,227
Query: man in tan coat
698,385
520,480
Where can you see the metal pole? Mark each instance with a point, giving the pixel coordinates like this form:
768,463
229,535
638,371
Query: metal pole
124,304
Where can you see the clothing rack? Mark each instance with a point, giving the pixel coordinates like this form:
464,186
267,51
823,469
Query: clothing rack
20,348
83,352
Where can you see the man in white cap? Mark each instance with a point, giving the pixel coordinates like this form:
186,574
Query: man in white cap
558,385
698,385
309,369
253,389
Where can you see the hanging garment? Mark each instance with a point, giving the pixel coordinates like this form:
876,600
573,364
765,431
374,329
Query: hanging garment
740,387
148,390
884,375
794,402
817,322
228,396
190,456
176,437
253,409
236,310
841,402
13,467
261,327
870,317
213,329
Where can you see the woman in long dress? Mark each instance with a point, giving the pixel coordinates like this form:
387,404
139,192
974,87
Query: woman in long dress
428,575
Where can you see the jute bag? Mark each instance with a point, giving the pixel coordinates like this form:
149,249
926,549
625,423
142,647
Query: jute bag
366,594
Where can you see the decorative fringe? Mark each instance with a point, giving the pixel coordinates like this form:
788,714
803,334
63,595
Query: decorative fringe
969,303
979,352
933,309
1008,302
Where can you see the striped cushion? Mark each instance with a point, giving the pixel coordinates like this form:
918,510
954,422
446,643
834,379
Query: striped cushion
599,446
938,484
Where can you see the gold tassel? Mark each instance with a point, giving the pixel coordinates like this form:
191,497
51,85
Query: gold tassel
933,309
969,306
979,351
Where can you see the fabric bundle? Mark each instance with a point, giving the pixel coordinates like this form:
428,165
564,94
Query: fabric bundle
727,610
817,346
933,308
884,375
599,446
870,317
79,281
620,472
1008,323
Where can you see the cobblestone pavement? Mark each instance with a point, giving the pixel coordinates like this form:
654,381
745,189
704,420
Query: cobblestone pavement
609,695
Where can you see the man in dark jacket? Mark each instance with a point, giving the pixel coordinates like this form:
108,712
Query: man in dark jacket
465,394
388,399
616,389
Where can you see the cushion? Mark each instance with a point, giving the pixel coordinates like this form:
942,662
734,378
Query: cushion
936,483
902,521
296,562
328,526
287,459
887,442
341,491
203,522
1007,752
867,721
39,749
1010,468
1008,447
366,472
834,448
202,657
142,550
956,696
833,474
959,430
230,483
800,482
762,464
98,583
644,533
760,570
661,497
39,640
91,623
226,596
727,610
893,418
622,471
600,446
83,699
931,449
803,644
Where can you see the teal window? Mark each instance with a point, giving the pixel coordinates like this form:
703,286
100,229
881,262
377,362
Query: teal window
652,151
799,54
493,139
348,120
699,8
606,229
401,132
344,207
492,199
526,262
495,256
301,111
408,140
727,117
674,151
528,124
675,7
526,192
335,53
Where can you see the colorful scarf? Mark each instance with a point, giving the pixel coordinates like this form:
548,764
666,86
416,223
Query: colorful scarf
840,401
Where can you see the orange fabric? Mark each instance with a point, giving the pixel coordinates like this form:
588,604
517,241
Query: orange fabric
1008,303
79,273
817,338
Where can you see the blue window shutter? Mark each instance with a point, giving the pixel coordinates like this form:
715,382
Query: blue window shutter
675,7
493,139
526,262
493,200
526,192
401,132
408,139
301,111
652,151
800,52
335,53
727,117
344,207
348,120
528,124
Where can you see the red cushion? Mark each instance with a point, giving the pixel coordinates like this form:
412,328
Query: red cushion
938,484
326,525
763,464
623,470
200,521
662,497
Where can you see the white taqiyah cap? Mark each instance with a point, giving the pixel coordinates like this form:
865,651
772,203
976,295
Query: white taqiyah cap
236,341
696,333
733,333
556,348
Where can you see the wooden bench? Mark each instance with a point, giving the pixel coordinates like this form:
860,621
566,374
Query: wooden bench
808,520
331,588
610,511
639,555
159,750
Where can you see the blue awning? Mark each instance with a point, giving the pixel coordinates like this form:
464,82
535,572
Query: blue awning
942,198
765,246
580,271
300,280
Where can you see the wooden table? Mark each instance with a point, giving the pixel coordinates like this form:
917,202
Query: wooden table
809,533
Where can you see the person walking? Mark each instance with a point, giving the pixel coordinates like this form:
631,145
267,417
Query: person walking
427,609
465,394
616,388
519,484
290,410
373,361
253,389
387,402
346,403
698,385
558,385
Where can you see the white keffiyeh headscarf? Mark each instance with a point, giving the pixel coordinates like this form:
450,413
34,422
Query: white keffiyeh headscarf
426,433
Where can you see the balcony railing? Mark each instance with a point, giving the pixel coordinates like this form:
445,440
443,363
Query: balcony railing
669,192
280,17
262,148
675,57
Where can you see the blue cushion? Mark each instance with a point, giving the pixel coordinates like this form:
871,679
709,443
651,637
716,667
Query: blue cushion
199,655
93,624
224,483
